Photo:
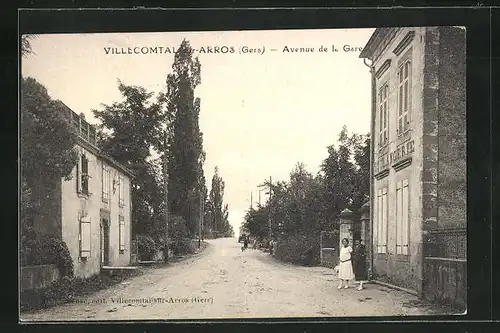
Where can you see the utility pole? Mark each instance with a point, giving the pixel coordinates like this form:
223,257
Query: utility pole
251,200
259,196
270,196
201,216
202,202
165,185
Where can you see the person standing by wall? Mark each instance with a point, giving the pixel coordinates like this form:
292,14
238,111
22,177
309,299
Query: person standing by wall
345,266
359,263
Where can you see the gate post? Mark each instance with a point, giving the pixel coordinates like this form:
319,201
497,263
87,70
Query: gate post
345,228
321,247
366,234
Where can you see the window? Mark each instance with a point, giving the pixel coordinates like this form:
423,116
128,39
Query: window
404,75
402,217
121,230
105,183
121,191
382,220
383,113
82,175
85,236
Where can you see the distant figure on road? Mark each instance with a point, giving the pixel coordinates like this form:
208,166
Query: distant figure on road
359,263
345,267
271,246
254,246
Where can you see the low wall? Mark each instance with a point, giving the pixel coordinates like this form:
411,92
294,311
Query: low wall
36,277
329,257
134,258
445,281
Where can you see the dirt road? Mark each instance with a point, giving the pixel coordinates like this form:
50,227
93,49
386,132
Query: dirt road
223,282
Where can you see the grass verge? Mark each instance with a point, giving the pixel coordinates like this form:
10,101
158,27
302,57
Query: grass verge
66,290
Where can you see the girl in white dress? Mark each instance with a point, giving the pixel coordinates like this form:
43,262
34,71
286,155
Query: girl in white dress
345,266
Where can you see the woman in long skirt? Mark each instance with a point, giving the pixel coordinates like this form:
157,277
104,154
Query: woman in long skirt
345,266
359,263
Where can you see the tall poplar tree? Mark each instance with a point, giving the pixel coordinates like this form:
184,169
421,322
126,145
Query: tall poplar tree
186,142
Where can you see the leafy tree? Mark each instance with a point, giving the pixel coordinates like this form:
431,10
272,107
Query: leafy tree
47,140
186,142
26,45
307,204
129,131
256,222
218,213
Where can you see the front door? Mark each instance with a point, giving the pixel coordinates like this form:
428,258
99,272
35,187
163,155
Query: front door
104,242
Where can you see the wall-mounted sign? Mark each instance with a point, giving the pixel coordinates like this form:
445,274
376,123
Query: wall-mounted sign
402,152
383,162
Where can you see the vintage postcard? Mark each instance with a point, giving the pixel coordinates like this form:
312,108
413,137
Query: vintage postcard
243,174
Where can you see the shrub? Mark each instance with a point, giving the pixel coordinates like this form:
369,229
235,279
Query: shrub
46,250
181,246
292,247
146,247
179,242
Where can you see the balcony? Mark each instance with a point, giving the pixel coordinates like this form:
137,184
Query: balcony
84,130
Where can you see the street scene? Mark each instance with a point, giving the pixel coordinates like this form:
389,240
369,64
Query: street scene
224,282
243,174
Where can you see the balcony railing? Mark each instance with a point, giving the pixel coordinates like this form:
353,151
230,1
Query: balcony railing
446,243
84,130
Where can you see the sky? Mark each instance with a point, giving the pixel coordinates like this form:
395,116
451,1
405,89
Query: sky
261,112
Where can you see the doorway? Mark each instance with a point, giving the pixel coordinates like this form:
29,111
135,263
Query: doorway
105,222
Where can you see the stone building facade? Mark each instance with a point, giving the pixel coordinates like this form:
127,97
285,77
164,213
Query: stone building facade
91,212
418,131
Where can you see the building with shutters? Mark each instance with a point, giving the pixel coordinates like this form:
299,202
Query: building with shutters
91,212
418,183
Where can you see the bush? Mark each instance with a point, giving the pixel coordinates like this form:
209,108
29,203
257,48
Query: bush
291,248
146,247
46,250
179,242
181,246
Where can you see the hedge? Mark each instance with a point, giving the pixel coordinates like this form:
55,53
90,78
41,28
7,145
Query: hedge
146,247
46,250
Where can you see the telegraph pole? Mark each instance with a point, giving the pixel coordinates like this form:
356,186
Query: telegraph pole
270,196
201,216
251,200
202,203
165,185
259,196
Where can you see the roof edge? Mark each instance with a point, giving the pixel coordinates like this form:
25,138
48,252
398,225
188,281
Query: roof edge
99,153
373,43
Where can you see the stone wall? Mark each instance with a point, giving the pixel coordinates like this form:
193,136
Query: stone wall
445,281
452,173
330,258
36,277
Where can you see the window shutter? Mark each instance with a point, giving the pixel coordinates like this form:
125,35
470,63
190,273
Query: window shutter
384,220
78,187
122,233
85,236
85,165
406,217
399,215
379,221
121,190
105,177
